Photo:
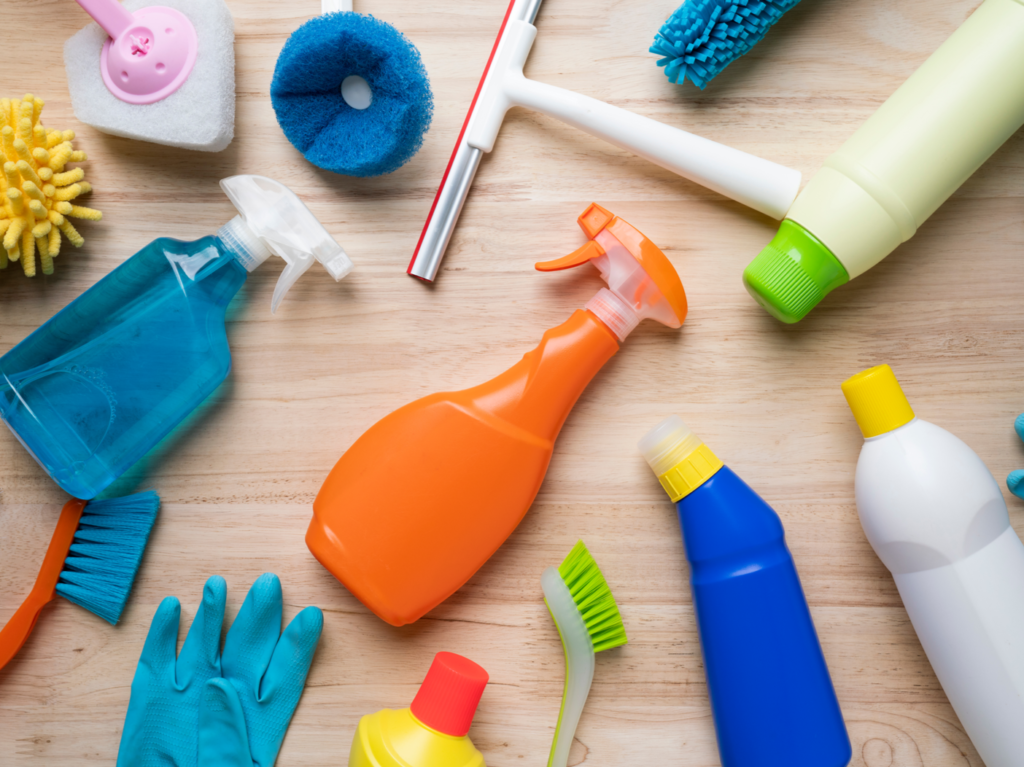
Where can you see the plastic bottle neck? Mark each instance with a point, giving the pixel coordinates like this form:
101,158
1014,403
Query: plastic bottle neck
897,430
613,312
537,393
244,245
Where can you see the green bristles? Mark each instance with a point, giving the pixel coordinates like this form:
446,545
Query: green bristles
593,598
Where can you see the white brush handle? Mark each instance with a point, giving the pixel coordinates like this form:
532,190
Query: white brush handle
335,6
579,662
758,183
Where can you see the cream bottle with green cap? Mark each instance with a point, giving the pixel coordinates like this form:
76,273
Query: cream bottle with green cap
925,141
936,518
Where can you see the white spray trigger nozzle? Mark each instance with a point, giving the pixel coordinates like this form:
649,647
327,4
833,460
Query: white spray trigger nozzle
285,227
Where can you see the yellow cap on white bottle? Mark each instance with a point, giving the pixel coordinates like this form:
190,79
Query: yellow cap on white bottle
877,401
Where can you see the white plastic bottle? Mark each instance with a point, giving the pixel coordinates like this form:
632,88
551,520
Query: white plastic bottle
936,518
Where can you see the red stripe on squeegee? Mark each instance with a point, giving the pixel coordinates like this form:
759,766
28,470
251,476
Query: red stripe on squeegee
462,133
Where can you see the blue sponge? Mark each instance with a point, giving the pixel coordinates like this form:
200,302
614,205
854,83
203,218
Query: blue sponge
306,93
704,36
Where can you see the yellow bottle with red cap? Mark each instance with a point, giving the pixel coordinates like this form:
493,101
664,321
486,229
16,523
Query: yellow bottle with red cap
429,493
432,731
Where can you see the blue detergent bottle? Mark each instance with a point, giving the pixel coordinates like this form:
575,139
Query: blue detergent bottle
110,375
771,693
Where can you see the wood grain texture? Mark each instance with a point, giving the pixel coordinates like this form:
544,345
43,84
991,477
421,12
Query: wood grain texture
238,480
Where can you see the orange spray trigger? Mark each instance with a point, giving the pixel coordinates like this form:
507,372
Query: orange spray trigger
594,219
588,252
642,283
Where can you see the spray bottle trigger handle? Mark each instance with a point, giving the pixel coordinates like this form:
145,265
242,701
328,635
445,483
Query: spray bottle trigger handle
588,252
292,271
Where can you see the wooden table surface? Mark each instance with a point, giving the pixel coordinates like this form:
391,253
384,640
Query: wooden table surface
237,481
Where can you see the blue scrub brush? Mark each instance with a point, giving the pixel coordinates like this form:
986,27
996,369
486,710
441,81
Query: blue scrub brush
92,561
351,93
704,36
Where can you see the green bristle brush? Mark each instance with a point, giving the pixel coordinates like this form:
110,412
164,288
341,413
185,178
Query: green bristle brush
92,561
588,621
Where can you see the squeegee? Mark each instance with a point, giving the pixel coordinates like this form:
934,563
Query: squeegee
758,183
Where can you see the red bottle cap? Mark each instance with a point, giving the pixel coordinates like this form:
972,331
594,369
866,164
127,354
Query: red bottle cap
448,697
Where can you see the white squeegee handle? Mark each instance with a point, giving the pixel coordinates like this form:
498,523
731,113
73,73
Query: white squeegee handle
113,17
758,183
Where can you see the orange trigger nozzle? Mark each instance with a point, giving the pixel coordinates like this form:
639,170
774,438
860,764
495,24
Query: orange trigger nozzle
594,219
588,252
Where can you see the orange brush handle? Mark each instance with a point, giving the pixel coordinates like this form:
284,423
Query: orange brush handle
16,632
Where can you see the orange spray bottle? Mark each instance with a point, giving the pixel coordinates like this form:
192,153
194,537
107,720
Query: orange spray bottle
429,493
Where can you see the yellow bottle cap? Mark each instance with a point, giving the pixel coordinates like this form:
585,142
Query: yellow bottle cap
877,401
681,461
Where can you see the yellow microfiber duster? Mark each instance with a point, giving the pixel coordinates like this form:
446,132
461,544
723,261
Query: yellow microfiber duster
36,190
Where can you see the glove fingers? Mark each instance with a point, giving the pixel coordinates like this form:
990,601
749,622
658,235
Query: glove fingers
286,675
251,640
1015,481
282,685
200,656
223,740
156,668
1018,426
162,640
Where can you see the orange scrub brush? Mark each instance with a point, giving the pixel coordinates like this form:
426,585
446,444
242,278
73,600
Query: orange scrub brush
35,189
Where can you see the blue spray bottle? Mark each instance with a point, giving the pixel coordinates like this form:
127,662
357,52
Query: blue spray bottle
771,693
110,375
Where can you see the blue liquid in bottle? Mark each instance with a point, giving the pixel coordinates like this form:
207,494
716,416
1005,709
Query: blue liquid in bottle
105,379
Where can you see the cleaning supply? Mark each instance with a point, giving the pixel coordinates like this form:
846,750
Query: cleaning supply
38,189
92,560
758,183
111,374
432,731
703,37
936,518
222,708
1015,479
351,93
588,622
904,162
162,73
771,693
470,463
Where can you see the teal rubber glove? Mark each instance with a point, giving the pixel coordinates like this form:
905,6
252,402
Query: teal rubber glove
219,710
245,715
1015,480
162,723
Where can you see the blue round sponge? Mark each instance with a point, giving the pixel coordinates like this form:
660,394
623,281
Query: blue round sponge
306,93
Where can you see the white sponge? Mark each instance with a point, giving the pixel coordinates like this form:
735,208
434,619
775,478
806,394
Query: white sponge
199,115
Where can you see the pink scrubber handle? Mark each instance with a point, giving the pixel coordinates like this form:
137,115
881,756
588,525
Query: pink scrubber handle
109,14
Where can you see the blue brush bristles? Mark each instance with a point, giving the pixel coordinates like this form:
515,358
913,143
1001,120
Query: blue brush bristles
105,555
704,36
306,93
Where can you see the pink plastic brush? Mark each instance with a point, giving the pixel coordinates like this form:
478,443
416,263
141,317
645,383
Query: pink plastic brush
149,53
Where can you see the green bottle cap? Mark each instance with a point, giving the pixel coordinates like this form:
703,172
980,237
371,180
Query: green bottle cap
793,273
